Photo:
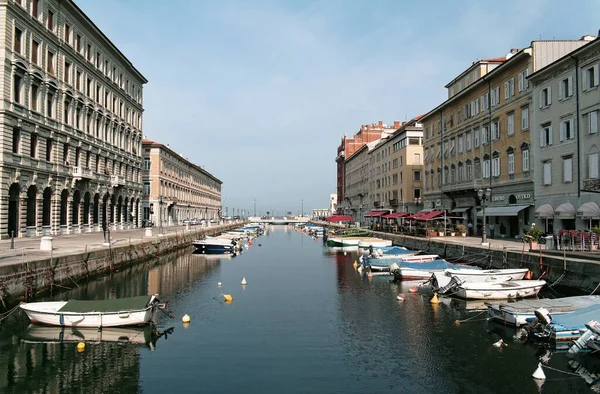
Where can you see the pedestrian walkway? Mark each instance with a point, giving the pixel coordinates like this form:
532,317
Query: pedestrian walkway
28,249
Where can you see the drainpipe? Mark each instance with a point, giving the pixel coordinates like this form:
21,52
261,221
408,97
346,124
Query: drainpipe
442,153
576,87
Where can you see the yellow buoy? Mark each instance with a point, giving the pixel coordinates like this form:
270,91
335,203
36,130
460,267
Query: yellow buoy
227,297
80,347
185,325
355,265
186,318
435,299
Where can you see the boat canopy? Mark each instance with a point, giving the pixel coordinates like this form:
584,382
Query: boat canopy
339,218
589,210
116,305
545,211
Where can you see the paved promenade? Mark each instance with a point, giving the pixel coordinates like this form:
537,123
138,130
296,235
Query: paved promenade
28,249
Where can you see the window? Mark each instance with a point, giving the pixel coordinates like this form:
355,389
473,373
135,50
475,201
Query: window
485,135
469,141
417,193
496,166
547,173
461,144
50,65
469,170
77,156
67,34
66,154
77,118
477,138
98,58
89,52
146,188
510,123
568,169
50,20
511,163
566,130
591,78
546,97
33,145
565,88
49,104
417,158
49,149
496,130
35,93
592,122
88,90
17,44
78,43
147,164
523,82
17,84
97,163
524,118
525,159
35,9
417,176
78,81
66,109
592,166
546,135
35,51
486,167
16,148
509,88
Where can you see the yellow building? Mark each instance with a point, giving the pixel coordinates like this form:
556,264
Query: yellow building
174,189
479,138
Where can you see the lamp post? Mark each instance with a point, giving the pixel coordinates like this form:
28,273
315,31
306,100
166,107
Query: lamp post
484,196
255,207
160,224
302,212
417,201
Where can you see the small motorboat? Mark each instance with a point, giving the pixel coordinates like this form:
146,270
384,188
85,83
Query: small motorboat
512,289
120,312
215,245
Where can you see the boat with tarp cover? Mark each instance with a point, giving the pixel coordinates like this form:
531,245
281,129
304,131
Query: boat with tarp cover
120,312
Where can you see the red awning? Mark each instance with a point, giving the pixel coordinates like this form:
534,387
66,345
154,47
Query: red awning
373,214
396,215
418,215
340,218
430,215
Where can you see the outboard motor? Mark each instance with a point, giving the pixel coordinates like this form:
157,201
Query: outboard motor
593,330
538,326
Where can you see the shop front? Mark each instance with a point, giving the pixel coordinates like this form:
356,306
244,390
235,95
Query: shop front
508,213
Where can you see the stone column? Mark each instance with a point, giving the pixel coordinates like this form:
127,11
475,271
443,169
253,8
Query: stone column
22,215
67,228
39,220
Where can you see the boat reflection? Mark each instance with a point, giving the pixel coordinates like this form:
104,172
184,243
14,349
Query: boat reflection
147,335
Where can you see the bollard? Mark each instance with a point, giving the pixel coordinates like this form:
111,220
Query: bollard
12,240
107,237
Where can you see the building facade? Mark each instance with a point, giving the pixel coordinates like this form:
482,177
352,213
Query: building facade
333,203
566,141
70,123
480,138
174,189
357,200
348,146
399,186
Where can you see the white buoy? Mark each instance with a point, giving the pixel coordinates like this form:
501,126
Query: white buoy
244,281
219,284
400,297
186,318
539,373
500,343
345,253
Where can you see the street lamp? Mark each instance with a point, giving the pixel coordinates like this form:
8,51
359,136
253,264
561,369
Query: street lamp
302,212
417,200
160,224
255,207
484,196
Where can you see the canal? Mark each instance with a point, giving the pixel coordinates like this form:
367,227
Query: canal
306,322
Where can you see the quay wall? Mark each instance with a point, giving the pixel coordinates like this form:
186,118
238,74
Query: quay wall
21,281
578,274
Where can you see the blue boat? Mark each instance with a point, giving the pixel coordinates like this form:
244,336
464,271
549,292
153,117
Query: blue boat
215,245
565,328
424,270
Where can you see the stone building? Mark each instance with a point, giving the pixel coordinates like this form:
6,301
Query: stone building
480,138
70,123
566,141
174,189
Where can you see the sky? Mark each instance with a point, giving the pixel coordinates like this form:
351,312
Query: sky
260,92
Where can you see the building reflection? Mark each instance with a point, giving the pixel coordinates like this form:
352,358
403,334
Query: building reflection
45,360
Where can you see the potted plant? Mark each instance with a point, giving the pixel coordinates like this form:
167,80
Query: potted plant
534,234
453,231
461,229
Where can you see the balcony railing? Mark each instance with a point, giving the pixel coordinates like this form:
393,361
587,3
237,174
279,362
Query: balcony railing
394,202
474,184
81,173
117,180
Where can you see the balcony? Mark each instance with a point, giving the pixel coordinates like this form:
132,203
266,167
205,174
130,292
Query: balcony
474,184
394,202
591,185
378,204
117,180
81,173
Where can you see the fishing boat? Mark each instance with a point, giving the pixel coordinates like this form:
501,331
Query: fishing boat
512,289
424,270
518,313
214,245
120,312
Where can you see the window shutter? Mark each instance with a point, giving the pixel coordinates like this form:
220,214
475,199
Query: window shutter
506,90
520,82
562,131
542,137
593,165
593,122
571,129
547,173
561,90
512,86
541,98
596,74
549,95
549,135
584,80
570,92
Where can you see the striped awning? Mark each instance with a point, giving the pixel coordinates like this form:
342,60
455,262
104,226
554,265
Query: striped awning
589,210
565,211
545,211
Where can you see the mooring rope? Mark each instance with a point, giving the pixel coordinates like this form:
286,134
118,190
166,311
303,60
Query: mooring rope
7,314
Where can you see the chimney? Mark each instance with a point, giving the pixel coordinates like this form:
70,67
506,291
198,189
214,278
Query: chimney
396,124
514,50
380,124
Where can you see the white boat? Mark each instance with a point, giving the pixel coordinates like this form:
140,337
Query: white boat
214,245
119,312
517,313
512,289
374,242
491,275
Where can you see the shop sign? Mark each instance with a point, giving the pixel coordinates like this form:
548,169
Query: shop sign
498,198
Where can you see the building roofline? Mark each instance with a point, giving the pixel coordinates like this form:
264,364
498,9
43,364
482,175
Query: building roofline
484,78
560,60
154,144
105,38
499,60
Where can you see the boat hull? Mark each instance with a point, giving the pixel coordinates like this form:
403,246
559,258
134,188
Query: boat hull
90,319
496,291
467,276
215,249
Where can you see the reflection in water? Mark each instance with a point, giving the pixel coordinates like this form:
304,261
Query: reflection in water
45,359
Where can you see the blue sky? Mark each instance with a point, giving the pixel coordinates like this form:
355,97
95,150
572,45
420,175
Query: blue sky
260,92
